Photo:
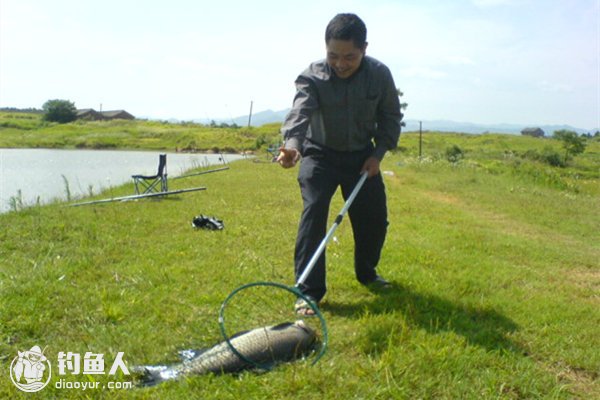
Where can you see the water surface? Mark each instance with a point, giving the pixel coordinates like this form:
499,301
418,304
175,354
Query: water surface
41,175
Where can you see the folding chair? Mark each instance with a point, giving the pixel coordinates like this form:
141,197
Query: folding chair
150,184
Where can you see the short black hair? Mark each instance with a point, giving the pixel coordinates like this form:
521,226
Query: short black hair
347,27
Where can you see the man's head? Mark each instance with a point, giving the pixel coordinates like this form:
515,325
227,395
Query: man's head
346,41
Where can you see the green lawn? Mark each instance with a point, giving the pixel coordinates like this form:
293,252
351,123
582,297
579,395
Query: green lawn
28,130
494,264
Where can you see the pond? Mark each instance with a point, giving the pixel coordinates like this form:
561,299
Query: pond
32,176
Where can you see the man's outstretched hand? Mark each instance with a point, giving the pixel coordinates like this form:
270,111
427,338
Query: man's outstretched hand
288,158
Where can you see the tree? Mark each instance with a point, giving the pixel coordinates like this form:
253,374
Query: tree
61,111
535,132
571,142
402,105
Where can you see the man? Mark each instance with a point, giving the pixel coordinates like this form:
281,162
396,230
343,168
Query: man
345,116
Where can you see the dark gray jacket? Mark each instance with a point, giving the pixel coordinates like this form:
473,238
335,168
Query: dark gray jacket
345,114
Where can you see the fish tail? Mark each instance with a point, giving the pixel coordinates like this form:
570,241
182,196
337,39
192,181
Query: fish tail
151,375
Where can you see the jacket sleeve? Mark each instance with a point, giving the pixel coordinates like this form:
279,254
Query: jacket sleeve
297,121
388,118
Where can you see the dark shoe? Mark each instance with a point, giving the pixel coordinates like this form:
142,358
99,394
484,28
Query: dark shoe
378,283
210,223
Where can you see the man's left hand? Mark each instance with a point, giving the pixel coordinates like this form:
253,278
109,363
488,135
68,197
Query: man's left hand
371,165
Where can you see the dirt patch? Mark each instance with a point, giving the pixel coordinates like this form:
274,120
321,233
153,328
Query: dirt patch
444,198
588,277
584,383
587,280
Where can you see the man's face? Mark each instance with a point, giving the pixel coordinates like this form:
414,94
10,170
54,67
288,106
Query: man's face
344,57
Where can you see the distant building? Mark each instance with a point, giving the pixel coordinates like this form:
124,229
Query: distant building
92,115
535,132
89,114
116,114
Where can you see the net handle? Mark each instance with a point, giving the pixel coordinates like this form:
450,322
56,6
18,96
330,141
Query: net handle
327,238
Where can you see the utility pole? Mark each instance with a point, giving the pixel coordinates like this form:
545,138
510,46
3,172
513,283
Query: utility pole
420,138
250,115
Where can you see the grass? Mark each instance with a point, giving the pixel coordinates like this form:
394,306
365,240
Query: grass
494,262
21,130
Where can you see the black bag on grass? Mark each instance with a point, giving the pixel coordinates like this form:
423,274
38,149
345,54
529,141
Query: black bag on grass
210,223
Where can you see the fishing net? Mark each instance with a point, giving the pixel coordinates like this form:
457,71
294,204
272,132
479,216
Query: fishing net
267,304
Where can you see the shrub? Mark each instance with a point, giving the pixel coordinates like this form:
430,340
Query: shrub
548,156
572,143
61,111
260,141
454,154
552,158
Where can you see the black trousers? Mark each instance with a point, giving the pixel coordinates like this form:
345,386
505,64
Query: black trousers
321,172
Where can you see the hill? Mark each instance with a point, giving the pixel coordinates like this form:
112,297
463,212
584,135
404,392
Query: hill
468,127
270,116
277,117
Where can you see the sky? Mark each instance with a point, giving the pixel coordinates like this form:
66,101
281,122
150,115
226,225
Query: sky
531,62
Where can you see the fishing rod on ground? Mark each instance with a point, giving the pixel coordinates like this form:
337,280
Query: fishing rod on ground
265,303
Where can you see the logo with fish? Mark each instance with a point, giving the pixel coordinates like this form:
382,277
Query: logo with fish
30,370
